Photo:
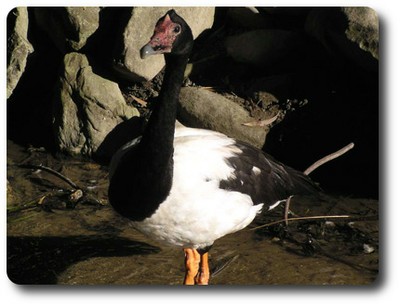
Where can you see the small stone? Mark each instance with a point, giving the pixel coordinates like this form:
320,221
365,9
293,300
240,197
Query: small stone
330,224
368,249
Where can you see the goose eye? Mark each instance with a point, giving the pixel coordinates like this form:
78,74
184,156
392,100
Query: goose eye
177,29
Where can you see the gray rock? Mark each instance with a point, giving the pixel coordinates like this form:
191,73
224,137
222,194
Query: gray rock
87,107
262,47
202,108
351,32
138,31
68,27
18,47
363,28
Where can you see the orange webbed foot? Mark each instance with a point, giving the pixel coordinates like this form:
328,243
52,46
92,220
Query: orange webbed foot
197,268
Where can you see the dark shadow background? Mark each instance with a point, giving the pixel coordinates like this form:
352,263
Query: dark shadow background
342,95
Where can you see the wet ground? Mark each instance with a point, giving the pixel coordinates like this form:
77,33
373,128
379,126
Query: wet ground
55,240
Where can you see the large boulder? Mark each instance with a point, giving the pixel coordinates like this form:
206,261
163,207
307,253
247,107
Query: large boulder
363,28
87,107
138,31
201,108
18,46
351,33
68,27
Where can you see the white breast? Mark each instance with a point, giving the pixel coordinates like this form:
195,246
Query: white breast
197,211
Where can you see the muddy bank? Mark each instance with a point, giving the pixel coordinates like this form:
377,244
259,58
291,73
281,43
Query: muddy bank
55,242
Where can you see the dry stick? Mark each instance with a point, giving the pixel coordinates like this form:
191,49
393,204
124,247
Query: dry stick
328,158
307,172
300,218
75,195
312,168
54,172
218,269
33,203
287,204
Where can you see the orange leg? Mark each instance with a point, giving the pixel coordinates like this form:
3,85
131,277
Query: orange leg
197,269
192,261
204,274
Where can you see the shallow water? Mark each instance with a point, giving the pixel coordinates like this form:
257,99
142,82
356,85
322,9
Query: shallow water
57,242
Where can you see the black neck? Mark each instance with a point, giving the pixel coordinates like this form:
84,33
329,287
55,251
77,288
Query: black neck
144,176
157,142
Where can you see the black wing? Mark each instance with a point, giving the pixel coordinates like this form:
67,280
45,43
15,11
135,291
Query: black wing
263,178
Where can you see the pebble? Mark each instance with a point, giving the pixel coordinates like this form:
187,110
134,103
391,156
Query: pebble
330,224
368,249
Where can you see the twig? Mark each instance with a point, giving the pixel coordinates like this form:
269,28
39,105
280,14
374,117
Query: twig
54,172
34,203
300,218
218,269
287,204
328,158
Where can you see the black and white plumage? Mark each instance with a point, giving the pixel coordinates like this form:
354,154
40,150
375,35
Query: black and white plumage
218,187
188,187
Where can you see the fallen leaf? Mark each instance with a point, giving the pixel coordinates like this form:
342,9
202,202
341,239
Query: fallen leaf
264,122
140,101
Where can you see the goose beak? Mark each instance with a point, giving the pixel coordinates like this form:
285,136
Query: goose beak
146,51
152,48
162,40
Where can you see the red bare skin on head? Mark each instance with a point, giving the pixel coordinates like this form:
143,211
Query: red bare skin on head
165,34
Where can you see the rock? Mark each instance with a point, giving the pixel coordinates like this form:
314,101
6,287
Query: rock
368,249
363,28
18,46
350,33
87,107
138,31
202,108
68,27
262,47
